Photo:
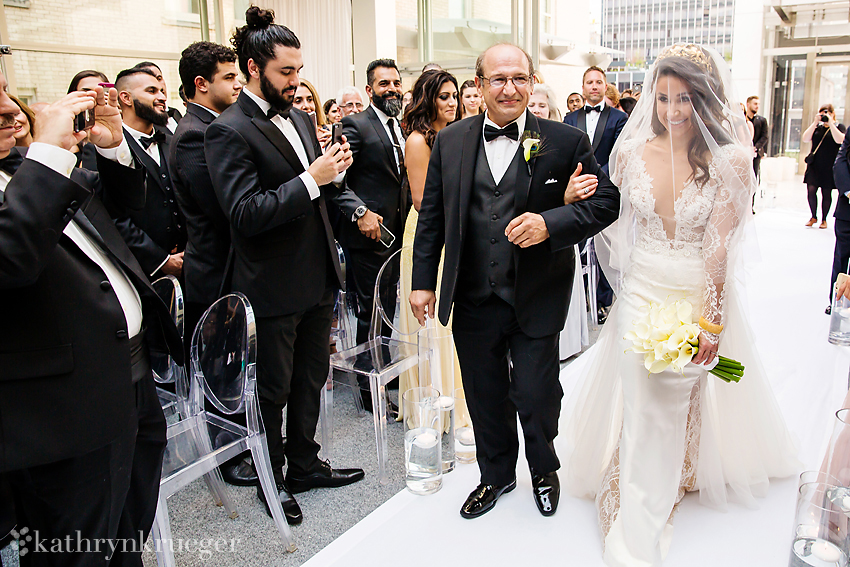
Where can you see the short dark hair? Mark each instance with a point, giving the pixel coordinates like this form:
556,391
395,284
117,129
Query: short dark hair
75,82
145,64
479,63
594,68
122,76
201,59
259,38
370,69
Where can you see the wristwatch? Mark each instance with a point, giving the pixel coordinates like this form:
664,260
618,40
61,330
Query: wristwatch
358,213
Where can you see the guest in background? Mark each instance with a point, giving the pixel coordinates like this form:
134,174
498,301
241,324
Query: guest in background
543,102
307,100
612,96
470,98
350,101
574,102
86,80
174,115
627,104
405,101
826,137
331,110
760,133
431,67
24,128
156,233
625,93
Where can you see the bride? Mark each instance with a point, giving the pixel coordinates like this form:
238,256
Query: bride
638,442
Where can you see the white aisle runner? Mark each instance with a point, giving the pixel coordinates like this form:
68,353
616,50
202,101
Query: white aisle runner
787,294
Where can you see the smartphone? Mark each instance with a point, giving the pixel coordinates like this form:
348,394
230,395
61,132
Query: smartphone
106,86
314,120
336,133
387,237
84,120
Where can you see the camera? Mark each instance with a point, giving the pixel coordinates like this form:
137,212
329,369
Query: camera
5,49
824,118
84,120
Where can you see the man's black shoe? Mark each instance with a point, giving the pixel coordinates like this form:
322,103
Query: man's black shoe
291,509
547,490
828,310
482,499
241,473
324,477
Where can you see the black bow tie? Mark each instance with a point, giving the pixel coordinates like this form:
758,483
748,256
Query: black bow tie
272,112
510,131
590,109
158,137
12,162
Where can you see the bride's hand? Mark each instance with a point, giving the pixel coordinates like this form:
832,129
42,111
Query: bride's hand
707,350
580,187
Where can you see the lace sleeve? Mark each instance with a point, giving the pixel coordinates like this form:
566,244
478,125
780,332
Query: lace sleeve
733,174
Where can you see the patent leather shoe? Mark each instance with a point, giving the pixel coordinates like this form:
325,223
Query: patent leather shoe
482,499
547,491
323,477
241,473
291,509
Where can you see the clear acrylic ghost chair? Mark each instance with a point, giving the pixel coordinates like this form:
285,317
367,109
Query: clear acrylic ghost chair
382,358
591,270
165,370
343,334
223,369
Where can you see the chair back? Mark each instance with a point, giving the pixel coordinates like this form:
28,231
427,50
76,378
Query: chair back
168,289
388,294
224,355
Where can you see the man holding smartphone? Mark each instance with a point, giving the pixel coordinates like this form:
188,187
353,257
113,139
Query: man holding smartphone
375,202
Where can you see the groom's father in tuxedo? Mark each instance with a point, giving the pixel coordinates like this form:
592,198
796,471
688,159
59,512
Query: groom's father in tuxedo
508,270
271,177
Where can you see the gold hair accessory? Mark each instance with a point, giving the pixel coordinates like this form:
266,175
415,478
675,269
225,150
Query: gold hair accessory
691,52
712,328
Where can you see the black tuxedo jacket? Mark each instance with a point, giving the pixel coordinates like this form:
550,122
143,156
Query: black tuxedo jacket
155,229
284,251
760,134
208,230
372,180
544,272
65,380
611,122
841,174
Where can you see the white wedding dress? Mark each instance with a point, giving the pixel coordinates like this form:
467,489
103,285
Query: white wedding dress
636,443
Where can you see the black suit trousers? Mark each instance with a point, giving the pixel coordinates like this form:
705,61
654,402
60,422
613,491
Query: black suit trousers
364,266
107,494
485,335
293,357
841,256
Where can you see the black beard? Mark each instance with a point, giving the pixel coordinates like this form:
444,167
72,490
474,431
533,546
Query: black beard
390,104
277,99
149,113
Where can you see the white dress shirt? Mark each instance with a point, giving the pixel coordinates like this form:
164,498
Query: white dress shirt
210,110
288,130
63,162
501,151
396,128
153,149
592,119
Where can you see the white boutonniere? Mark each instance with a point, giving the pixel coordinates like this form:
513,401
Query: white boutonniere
532,143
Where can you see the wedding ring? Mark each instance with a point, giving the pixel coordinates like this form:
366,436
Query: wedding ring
586,190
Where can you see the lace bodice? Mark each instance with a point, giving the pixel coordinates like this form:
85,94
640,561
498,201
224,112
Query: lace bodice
705,216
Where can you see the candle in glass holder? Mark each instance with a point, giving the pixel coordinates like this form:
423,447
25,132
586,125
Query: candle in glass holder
826,551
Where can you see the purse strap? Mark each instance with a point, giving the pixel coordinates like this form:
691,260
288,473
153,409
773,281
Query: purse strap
819,143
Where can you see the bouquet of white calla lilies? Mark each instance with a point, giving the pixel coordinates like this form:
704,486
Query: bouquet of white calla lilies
668,338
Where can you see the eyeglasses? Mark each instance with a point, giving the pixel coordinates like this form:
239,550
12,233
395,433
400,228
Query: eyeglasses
350,105
499,82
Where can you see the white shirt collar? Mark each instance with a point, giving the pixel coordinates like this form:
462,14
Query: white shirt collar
262,103
520,122
383,117
210,110
138,135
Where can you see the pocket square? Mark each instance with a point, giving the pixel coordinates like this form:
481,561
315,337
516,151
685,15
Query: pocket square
548,181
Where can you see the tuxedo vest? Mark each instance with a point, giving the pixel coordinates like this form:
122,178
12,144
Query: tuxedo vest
487,263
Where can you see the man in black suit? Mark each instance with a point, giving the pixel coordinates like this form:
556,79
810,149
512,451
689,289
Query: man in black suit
156,232
174,115
373,189
272,181
602,124
210,84
83,433
508,270
760,132
841,174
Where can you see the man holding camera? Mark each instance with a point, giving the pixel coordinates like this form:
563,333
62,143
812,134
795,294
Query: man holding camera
82,434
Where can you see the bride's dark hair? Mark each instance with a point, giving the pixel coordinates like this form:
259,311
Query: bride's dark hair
259,38
693,66
422,110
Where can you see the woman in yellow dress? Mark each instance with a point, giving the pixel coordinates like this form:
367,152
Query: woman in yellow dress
434,106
